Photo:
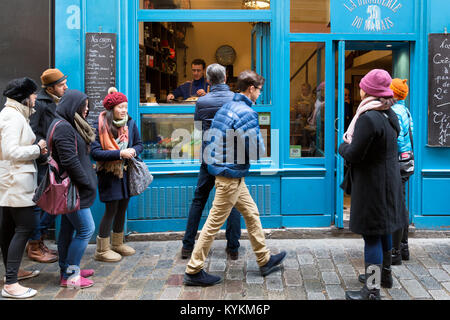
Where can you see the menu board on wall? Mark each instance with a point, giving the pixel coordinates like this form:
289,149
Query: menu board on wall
439,90
100,70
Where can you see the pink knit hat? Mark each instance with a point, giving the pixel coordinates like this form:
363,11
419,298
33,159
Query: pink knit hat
376,83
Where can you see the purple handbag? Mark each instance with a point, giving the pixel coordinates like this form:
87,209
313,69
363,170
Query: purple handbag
56,194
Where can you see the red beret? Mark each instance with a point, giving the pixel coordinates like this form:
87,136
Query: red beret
113,98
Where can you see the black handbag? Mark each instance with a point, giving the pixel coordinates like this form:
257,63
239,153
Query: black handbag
406,160
346,184
139,177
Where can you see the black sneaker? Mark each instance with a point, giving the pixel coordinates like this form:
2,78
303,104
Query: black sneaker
186,253
234,255
273,263
202,279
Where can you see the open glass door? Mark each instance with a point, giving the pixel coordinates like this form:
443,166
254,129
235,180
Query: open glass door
354,59
339,131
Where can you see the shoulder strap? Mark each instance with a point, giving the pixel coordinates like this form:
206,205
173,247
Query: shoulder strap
50,139
409,128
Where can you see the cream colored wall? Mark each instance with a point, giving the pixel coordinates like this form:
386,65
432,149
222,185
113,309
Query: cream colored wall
204,39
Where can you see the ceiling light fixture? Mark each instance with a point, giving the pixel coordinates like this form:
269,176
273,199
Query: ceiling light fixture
256,4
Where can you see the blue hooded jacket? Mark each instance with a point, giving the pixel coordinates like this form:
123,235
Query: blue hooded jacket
405,121
235,139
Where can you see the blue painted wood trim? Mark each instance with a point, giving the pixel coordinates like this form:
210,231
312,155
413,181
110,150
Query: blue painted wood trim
205,15
339,160
162,225
432,222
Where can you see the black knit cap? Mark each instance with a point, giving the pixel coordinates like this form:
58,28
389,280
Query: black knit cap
20,89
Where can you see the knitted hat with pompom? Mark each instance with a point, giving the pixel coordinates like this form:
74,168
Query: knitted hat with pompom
113,98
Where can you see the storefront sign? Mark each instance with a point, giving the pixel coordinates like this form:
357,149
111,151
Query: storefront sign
439,90
372,16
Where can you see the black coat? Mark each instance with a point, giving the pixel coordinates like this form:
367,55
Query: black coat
111,187
76,161
377,205
40,122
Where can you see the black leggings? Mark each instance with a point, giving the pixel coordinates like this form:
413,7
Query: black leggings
114,211
17,225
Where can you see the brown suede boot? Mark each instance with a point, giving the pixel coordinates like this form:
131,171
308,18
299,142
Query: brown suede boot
35,252
118,246
45,248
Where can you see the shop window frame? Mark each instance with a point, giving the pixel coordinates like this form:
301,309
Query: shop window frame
137,16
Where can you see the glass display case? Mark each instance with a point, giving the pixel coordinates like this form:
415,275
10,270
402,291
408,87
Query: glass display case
170,137
176,137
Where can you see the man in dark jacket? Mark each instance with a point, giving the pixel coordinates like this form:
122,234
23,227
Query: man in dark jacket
229,162
205,110
54,84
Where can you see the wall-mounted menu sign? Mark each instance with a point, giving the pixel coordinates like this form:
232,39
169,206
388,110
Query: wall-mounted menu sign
439,90
100,70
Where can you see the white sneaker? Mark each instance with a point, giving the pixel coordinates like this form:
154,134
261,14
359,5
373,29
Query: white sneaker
28,294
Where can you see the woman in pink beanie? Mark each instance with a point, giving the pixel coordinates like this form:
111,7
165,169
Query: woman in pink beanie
370,149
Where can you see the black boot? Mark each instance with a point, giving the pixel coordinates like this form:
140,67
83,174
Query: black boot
396,257
371,290
404,251
386,271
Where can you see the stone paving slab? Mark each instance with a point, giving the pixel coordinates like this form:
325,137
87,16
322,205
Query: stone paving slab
315,269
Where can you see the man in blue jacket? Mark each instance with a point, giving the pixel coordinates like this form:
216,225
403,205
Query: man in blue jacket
229,162
205,109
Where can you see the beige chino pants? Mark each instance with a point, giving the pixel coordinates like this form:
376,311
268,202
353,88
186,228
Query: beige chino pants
230,192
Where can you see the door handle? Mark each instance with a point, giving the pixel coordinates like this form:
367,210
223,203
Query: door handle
335,120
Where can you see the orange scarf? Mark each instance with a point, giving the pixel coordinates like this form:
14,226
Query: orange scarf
108,142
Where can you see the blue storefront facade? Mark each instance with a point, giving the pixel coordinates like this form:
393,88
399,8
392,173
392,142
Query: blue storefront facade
292,186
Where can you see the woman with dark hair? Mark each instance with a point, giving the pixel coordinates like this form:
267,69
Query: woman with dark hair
18,180
370,147
70,149
117,140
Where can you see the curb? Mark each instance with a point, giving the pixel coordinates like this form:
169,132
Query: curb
286,233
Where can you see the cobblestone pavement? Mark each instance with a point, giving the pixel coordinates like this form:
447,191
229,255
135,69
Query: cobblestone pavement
314,269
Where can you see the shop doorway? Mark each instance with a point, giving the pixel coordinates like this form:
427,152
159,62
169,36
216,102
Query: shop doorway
354,59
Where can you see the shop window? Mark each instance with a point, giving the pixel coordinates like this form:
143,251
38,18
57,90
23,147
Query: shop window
178,137
170,53
168,136
307,100
205,4
310,16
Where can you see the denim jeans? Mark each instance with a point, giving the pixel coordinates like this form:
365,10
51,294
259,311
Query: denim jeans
204,186
374,246
45,222
70,248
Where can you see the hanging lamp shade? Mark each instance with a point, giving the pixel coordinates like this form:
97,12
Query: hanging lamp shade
256,4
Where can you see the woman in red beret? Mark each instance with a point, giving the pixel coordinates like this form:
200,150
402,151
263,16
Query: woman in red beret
117,139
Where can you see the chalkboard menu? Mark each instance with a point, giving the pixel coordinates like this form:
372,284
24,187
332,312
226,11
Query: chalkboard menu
100,70
439,90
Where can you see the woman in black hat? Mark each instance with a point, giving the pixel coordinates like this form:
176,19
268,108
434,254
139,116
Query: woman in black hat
18,181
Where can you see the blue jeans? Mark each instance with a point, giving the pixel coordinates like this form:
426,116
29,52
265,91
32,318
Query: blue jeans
45,222
70,248
205,184
374,246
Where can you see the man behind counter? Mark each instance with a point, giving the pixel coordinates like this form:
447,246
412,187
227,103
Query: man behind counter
195,88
